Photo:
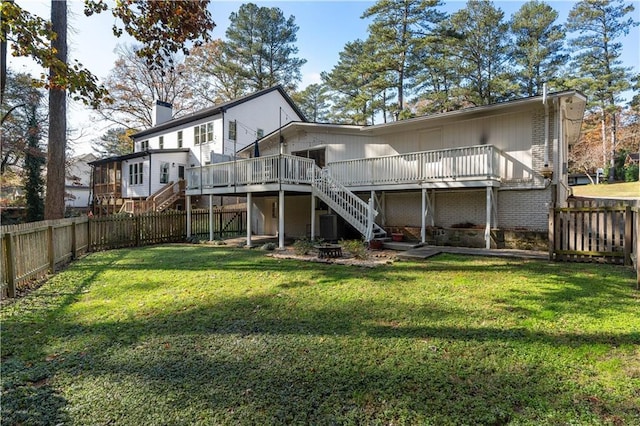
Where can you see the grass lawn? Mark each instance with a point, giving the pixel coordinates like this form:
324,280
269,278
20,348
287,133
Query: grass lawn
623,189
183,334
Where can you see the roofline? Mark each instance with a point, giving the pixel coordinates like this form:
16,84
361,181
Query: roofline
476,109
303,124
137,155
216,109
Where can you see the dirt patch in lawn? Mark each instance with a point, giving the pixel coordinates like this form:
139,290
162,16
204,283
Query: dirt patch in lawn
374,257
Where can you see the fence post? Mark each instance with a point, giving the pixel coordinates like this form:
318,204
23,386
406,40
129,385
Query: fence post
74,243
637,214
136,226
551,233
52,254
628,236
11,270
89,221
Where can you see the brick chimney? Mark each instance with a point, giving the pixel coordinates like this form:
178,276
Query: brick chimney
162,112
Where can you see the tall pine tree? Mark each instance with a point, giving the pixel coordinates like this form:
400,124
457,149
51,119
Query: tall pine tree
263,42
599,24
355,85
483,52
538,51
396,30
34,161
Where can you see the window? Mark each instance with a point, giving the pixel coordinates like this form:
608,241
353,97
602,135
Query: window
144,145
259,133
161,142
232,130
164,172
135,174
180,139
209,131
203,133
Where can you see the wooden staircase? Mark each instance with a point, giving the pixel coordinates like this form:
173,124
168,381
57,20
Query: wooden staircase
161,200
349,206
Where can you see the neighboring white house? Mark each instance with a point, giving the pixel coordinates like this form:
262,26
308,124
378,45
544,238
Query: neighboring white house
152,176
78,182
499,166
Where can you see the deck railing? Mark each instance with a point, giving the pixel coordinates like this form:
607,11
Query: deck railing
472,162
253,171
481,161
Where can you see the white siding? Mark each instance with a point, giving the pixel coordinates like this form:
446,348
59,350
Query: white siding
263,112
151,173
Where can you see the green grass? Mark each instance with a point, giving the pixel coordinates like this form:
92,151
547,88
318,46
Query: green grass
202,335
623,189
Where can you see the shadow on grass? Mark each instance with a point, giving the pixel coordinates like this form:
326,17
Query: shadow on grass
249,361
270,359
27,396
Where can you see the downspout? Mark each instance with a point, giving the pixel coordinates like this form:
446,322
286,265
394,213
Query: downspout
546,125
556,154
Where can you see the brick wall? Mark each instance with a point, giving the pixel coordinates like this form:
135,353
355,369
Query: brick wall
525,209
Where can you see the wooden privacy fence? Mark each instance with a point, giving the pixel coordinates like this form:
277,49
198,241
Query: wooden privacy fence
602,231
225,222
111,232
31,251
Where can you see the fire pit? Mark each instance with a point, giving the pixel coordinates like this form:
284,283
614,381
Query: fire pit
326,251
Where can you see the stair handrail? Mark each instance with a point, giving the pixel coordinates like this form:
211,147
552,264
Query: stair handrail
165,193
329,190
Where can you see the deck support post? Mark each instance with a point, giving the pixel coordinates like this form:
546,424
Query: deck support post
281,219
313,217
487,229
188,209
423,228
249,219
427,212
211,218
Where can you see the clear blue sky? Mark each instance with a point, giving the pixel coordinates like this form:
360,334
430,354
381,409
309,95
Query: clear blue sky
325,27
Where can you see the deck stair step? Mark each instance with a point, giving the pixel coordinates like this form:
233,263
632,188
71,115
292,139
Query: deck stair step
349,206
401,245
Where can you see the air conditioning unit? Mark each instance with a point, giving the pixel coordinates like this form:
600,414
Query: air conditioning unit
329,227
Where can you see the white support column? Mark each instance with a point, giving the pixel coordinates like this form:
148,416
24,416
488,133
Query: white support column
423,229
188,208
494,201
313,217
487,229
211,235
281,219
249,219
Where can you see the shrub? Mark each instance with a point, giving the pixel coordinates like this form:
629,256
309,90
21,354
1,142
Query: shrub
631,173
268,247
356,247
303,246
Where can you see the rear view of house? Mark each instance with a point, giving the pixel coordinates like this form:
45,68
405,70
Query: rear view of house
493,167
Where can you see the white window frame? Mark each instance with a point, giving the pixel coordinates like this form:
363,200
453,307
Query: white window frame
233,130
164,172
136,175
203,133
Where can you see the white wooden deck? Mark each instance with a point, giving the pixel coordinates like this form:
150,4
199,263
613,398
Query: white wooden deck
474,166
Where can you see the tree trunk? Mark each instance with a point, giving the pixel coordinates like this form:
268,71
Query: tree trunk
614,142
54,206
